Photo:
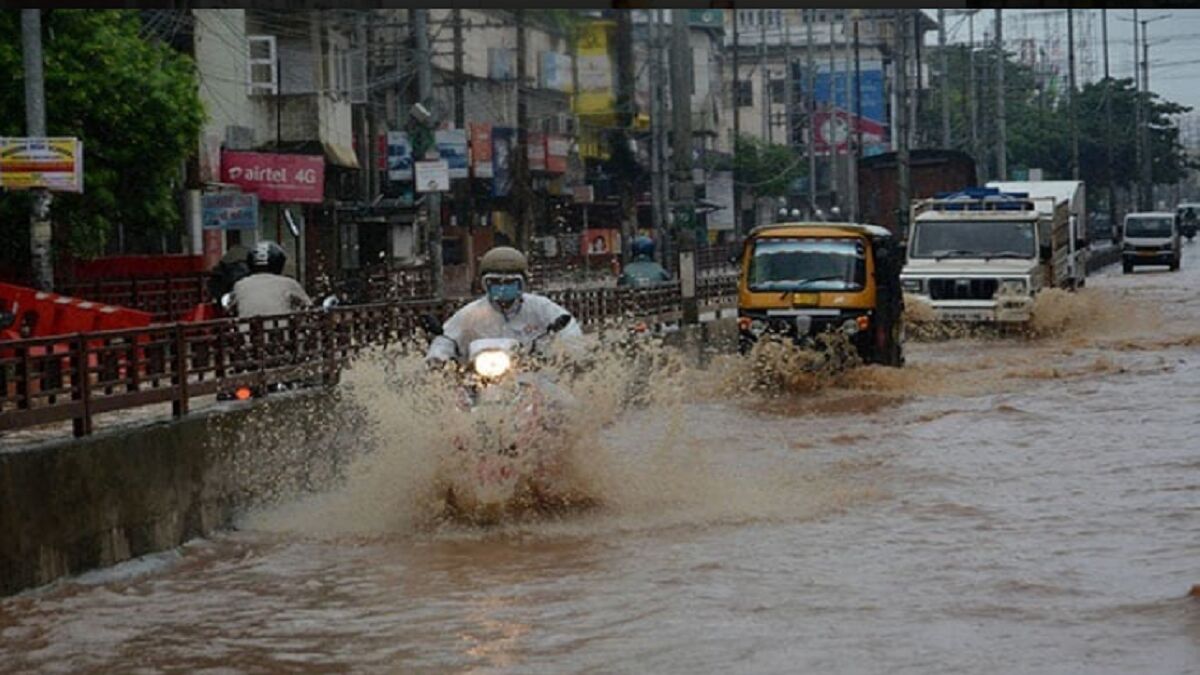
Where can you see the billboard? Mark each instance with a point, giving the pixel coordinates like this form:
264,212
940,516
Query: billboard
274,177
595,95
51,163
836,128
481,150
399,156
502,150
452,148
229,211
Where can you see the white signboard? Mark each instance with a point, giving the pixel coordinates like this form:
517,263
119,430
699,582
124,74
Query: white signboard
433,176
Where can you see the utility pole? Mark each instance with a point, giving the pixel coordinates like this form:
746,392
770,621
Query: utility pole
523,181
945,60
737,127
1139,200
462,191
858,132
811,108
973,93
1108,140
789,98
900,66
1147,118
851,124
830,124
433,200
681,155
40,232
766,82
1001,124
657,110
1071,93
622,150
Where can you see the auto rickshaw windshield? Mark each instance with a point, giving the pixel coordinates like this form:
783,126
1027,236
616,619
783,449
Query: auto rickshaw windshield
796,263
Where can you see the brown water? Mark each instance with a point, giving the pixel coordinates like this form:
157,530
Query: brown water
1020,505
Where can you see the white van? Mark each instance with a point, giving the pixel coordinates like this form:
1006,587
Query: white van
1150,238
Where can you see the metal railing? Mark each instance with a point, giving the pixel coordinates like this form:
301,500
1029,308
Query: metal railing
166,298
75,377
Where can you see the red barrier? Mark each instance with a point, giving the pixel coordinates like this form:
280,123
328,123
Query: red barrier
45,314
133,266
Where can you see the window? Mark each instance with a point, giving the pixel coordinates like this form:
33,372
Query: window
745,93
778,95
261,74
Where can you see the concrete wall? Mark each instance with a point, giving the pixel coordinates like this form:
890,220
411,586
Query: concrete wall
75,505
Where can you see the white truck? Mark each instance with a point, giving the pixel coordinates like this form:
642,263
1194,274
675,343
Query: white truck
981,255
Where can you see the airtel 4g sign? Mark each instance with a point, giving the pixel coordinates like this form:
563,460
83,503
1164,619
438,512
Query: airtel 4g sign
274,177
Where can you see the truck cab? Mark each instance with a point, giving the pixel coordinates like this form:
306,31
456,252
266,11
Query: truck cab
799,280
1150,238
982,255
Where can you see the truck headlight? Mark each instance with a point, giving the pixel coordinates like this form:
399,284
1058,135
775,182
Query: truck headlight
1012,287
912,285
492,364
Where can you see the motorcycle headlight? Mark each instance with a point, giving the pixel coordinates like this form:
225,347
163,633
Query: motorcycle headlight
492,364
911,285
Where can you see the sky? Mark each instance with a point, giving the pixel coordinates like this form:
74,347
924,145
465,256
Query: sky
1174,39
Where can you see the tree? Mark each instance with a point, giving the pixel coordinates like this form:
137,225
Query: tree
1037,112
134,103
767,169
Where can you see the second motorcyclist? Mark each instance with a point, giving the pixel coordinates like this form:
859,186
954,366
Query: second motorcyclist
266,291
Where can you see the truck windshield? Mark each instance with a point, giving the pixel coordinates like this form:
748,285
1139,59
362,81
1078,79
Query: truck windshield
797,264
1148,227
974,239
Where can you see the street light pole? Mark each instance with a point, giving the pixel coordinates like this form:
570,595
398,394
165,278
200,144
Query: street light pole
1001,126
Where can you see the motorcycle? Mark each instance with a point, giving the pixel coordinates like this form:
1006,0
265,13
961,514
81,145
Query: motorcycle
228,306
513,462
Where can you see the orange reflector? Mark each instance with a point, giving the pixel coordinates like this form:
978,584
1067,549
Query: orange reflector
242,393
863,322
744,322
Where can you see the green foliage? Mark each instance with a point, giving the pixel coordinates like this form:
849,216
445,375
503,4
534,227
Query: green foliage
135,104
766,168
1038,122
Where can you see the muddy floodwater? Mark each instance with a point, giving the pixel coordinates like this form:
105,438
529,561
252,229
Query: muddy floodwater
1016,505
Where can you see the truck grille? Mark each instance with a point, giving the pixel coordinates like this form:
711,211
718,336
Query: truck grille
962,289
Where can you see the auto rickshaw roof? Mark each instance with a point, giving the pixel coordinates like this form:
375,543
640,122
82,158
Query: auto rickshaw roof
818,229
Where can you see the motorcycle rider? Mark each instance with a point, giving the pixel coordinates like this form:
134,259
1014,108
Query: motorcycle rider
505,311
265,291
643,271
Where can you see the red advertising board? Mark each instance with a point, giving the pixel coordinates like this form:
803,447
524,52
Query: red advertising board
275,177
557,148
537,152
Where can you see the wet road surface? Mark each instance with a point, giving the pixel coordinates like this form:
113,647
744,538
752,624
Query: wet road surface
1000,506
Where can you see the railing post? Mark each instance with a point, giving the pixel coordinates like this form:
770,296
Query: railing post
81,387
259,350
23,402
179,407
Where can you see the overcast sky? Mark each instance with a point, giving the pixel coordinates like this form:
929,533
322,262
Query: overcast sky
1173,40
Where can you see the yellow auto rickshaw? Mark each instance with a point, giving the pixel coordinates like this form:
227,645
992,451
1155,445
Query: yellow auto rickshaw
799,280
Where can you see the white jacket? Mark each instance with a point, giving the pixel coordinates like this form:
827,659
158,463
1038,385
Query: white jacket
264,294
481,319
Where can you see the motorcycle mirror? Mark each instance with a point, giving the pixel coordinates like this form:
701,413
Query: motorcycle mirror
560,323
227,301
330,302
431,324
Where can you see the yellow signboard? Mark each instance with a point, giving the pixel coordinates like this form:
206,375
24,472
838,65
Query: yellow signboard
595,96
50,163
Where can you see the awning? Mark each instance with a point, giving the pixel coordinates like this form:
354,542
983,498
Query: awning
340,155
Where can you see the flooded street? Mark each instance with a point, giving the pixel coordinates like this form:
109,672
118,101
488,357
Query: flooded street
1023,505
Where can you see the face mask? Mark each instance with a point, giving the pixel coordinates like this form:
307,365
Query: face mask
504,293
